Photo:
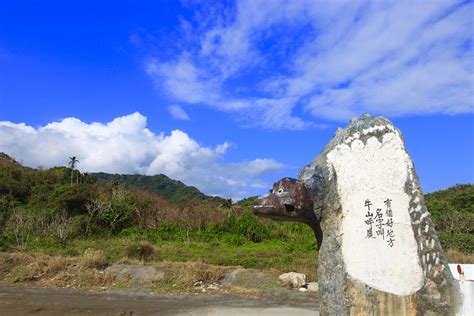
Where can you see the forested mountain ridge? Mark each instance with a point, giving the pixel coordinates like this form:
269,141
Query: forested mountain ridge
171,190
16,175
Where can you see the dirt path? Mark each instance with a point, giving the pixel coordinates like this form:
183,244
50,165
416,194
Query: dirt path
48,301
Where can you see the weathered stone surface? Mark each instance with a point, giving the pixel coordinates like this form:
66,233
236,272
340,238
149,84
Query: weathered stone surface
291,201
380,254
138,274
293,279
250,278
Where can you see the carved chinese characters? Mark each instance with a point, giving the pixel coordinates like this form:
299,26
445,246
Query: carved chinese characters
384,229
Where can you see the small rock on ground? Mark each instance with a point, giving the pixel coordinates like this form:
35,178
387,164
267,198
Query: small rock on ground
293,279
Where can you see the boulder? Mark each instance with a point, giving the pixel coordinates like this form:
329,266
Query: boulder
137,274
293,279
380,254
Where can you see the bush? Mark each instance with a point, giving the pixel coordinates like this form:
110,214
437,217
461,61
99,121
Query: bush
117,212
142,250
457,240
64,227
248,226
72,198
186,274
94,259
4,242
21,226
4,211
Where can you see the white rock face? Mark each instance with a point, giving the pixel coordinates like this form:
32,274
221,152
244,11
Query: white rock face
378,243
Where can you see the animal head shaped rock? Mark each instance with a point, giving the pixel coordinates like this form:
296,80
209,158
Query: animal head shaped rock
289,200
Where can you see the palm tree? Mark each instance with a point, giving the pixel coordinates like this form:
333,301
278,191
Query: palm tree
72,163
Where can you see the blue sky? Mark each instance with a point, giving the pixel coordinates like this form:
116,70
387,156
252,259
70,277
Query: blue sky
231,96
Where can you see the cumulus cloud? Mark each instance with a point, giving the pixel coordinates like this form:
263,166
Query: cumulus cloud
178,113
126,145
283,64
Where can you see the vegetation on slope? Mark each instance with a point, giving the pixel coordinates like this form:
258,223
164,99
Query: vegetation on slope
171,190
452,211
61,211
44,210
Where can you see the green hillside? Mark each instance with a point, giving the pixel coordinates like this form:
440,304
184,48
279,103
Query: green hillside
172,190
452,211
36,202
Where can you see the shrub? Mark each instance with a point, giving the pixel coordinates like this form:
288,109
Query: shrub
186,274
94,259
4,211
4,242
457,240
72,198
117,211
64,227
142,250
247,225
21,226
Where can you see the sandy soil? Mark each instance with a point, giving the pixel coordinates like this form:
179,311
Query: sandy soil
15,300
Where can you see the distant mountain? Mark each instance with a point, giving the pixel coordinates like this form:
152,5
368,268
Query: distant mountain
172,190
13,174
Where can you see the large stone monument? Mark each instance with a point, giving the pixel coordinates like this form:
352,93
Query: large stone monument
379,253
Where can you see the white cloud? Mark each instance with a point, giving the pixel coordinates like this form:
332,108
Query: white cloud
178,113
126,145
268,60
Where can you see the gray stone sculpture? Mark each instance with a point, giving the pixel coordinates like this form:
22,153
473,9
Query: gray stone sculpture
289,200
380,254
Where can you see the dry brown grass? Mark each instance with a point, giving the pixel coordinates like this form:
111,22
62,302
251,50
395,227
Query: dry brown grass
81,272
456,256
153,210
94,259
84,271
55,271
22,267
185,274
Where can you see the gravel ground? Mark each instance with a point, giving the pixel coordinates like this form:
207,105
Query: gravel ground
16,300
